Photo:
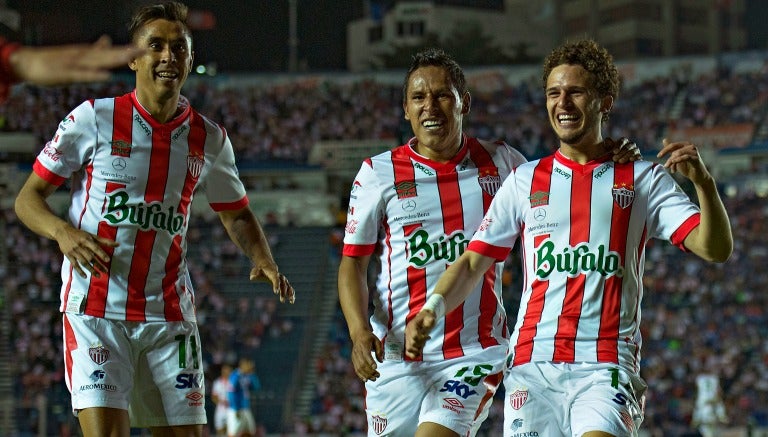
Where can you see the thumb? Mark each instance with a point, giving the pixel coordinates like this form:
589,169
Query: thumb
379,349
104,41
429,320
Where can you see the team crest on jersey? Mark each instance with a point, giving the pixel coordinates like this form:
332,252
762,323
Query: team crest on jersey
195,165
121,148
623,195
405,189
489,181
539,198
518,399
378,423
99,354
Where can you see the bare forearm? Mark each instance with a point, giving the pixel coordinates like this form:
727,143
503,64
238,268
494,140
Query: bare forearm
353,293
246,232
712,239
461,278
32,209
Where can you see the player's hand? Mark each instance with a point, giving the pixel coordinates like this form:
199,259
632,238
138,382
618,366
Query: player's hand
417,333
280,284
85,251
362,344
54,65
684,158
624,150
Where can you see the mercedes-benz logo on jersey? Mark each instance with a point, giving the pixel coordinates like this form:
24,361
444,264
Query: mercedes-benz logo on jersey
539,214
409,205
119,164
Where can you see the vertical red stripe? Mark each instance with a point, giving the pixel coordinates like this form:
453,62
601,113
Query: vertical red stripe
542,181
488,302
89,180
568,322
417,285
171,296
608,335
491,383
122,130
417,278
98,287
70,345
145,239
453,220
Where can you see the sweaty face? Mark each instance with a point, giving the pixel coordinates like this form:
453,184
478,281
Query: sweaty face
435,109
162,70
574,108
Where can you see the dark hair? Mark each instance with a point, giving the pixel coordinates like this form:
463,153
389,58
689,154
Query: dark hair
593,58
434,57
171,11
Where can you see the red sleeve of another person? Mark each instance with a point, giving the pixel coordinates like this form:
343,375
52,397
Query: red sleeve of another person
7,77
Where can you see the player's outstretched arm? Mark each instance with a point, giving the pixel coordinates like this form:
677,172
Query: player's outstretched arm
84,250
56,65
246,232
712,240
353,298
453,287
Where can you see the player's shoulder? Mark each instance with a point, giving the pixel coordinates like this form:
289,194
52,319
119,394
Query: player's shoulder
500,147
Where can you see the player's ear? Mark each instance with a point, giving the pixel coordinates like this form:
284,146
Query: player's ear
466,102
606,104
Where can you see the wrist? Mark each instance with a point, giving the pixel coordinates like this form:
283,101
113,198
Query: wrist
436,304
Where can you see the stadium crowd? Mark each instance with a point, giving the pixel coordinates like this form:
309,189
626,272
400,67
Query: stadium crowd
696,316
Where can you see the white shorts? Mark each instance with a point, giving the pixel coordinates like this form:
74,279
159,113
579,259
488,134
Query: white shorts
560,399
455,393
152,369
220,417
242,423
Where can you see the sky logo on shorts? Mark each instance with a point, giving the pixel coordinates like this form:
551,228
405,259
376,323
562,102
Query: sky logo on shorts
518,399
378,423
99,354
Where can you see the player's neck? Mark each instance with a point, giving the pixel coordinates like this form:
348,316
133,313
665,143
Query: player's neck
584,151
161,108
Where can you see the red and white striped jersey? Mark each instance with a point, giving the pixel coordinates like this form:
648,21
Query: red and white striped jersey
584,229
421,214
132,181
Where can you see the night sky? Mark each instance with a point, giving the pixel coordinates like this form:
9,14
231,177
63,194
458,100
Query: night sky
250,35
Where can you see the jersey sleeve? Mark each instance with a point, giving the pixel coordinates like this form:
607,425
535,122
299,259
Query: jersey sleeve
501,225
671,213
224,189
71,147
7,76
512,156
365,213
